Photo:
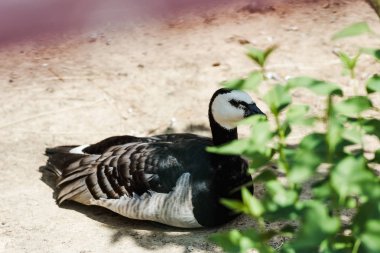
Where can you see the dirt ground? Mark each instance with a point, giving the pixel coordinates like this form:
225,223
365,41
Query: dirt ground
143,79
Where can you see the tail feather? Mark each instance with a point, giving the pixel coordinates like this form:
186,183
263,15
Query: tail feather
60,157
68,164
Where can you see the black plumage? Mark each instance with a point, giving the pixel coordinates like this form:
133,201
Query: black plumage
126,171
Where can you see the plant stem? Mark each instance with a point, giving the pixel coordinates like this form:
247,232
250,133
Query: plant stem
328,126
355,249
281,143
352,73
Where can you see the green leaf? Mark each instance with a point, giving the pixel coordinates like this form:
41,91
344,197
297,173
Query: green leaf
234,84
353,106
253,120
353,30
235,241
296,115
252,82
317,86
372,126
257,147
259,158
376,159
316,227
254,206
353,135
323,190
260,56
374,52
265,176
367,225
280,195
373,84
348,62
237,147
342,244
311,152
350,177
257,56
261,133
229,241
277,99
235,205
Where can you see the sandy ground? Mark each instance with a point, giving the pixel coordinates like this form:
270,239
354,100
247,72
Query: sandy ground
144,79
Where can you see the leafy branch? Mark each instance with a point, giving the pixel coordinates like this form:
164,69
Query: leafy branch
333,160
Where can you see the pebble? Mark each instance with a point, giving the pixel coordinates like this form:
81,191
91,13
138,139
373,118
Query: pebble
288,77
92,38
243,41
292,28
272,76
173,121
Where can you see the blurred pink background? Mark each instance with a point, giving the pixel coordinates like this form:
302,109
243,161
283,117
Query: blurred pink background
24,19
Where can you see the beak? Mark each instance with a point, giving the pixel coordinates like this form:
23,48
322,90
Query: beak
252,109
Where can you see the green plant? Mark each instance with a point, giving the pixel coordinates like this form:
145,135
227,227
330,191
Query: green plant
332,165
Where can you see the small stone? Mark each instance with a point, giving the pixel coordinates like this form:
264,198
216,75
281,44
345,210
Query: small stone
172,122
140,66
292,28
216,64
50,90
243,41
272,76
92,38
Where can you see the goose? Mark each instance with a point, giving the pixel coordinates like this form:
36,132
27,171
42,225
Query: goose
168,178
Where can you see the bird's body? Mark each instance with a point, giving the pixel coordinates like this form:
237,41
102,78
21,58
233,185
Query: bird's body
170,179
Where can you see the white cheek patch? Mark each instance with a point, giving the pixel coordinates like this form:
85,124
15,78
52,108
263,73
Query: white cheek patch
225,114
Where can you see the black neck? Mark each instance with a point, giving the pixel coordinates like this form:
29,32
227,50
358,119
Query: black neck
220,135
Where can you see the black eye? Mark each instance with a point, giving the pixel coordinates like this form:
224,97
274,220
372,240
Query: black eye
237,103
234,102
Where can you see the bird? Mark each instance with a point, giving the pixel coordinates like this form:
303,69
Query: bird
168,178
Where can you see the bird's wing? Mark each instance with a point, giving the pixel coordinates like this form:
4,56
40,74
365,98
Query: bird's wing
124,170
104,145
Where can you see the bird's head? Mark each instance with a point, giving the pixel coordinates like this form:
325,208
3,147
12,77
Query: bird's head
228,107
